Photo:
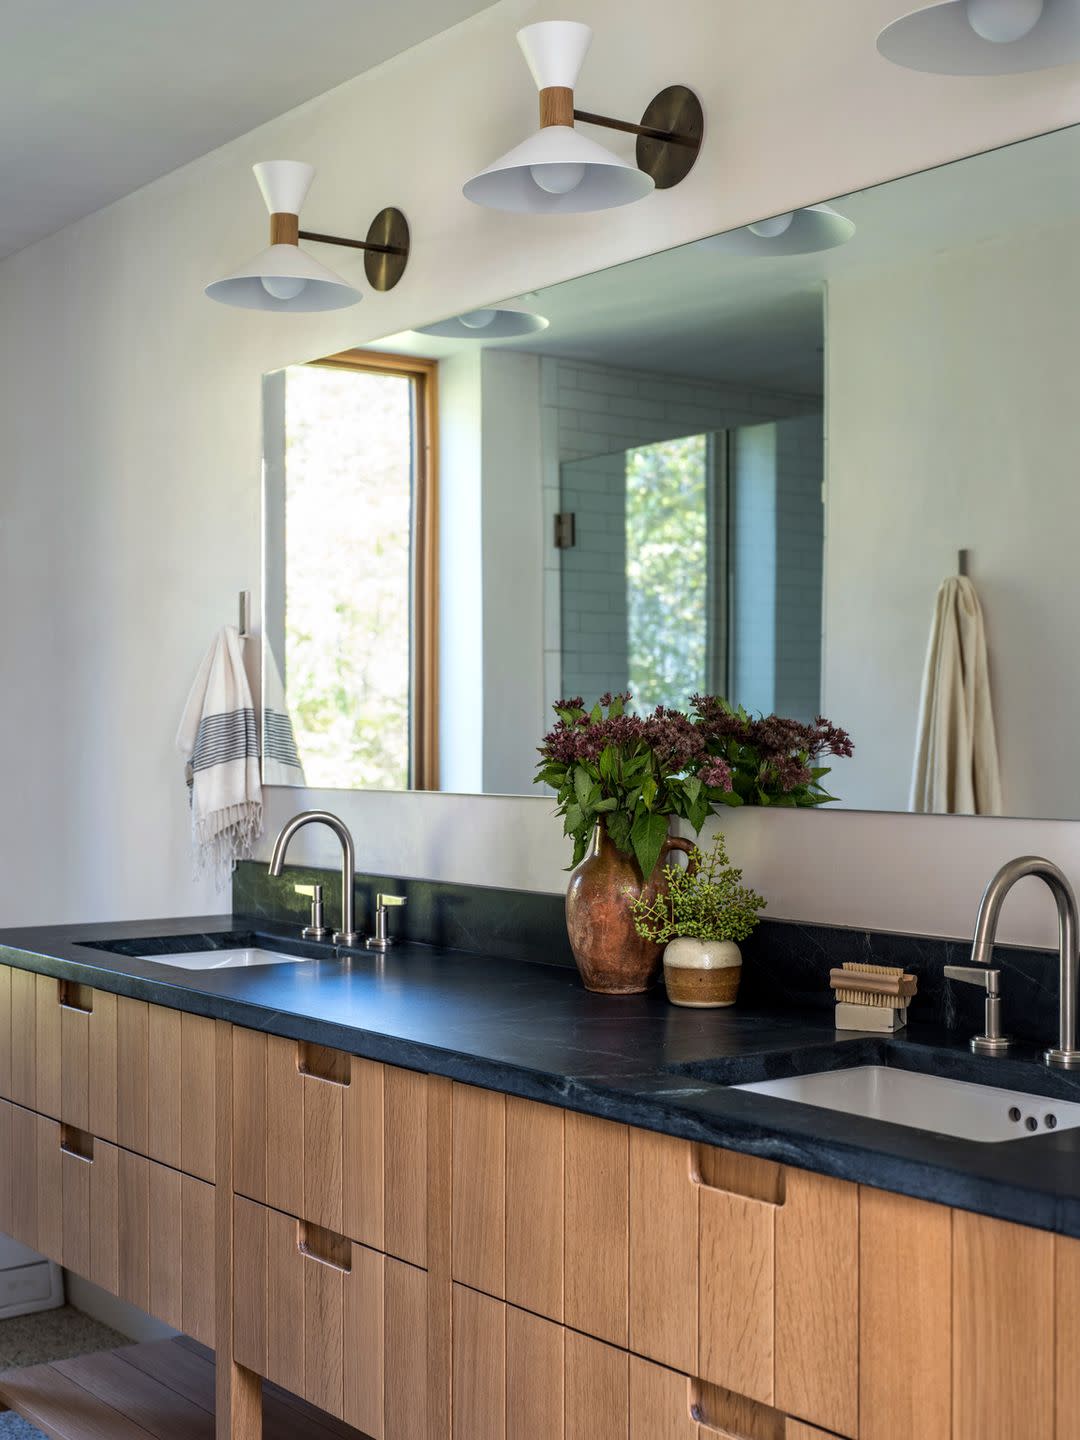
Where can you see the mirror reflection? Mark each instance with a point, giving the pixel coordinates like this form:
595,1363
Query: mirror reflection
752,467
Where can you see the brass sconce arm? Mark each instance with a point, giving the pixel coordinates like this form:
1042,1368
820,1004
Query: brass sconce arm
386,246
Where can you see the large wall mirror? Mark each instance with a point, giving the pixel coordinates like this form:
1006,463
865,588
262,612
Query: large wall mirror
744,467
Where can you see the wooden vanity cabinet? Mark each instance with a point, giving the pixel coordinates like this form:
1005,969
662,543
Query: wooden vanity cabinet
336,1323
341,1233
983,1312
777,1299
140,1230
422,1259
735,1271
518,1376
333,1139
136,1075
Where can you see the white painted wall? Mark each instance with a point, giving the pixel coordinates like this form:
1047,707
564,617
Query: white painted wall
513,574
461,589
962,434
129,408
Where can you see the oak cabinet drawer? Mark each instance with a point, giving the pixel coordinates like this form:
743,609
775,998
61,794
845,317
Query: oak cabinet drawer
62,1052
540,1210
518,1376
136,1075
665,1405
339,1324
905,1320
718,1265
139,1230
165,1086
1013,1289
746,1274
340,1141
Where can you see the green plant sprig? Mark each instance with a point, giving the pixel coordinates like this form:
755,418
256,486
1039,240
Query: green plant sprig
706,901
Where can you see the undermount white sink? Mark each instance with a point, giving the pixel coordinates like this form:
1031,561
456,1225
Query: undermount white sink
926,1102
222,959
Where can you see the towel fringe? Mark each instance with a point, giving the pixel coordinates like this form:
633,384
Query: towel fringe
223,839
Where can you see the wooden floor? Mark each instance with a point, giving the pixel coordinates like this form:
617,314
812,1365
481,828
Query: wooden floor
162,1391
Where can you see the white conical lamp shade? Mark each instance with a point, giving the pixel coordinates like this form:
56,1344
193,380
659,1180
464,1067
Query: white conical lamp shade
284,184
555,51
491,323
817,227
557,171
284,277
512,183
944,40
282,267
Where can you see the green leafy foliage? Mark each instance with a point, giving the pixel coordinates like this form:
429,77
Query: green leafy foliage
633,773
771,759
630,773
667,569
706,901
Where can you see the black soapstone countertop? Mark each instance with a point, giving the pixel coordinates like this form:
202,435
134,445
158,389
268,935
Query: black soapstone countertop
532,1030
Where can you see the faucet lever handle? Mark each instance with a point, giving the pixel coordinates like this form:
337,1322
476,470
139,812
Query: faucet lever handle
991,1041
317,929
987,979
382,939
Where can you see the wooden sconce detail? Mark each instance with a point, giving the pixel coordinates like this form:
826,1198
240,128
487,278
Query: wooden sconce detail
669,133
386,248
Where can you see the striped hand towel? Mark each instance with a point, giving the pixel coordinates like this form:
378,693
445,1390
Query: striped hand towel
219,742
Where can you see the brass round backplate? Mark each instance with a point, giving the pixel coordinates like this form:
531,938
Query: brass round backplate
388,228
678,111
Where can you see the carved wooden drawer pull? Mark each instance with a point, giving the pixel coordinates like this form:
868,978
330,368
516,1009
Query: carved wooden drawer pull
748,1176
77,1143
315,1243
729,1416
319,1062
75,997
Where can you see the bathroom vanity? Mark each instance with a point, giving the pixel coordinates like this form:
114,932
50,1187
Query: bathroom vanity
434,1194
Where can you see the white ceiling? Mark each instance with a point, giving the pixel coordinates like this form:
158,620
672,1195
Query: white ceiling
698,311
98,97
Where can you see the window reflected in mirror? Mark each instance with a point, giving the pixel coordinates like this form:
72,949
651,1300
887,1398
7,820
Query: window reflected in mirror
695,567
346,703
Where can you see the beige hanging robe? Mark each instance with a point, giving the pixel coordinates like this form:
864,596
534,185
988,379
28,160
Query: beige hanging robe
956,760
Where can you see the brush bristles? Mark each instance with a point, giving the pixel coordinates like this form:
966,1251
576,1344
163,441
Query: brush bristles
882,999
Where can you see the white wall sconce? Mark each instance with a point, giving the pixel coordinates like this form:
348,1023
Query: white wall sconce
284,277
559,171
985,37
489,323
799,232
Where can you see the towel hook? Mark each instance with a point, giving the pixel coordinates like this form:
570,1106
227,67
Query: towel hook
244,625
963,561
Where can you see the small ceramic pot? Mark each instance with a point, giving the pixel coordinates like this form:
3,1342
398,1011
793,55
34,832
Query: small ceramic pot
702,973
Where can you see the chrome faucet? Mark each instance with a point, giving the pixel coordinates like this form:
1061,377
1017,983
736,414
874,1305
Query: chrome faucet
1064,1055
347,934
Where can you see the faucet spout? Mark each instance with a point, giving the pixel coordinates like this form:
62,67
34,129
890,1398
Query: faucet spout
347,934
1065,1054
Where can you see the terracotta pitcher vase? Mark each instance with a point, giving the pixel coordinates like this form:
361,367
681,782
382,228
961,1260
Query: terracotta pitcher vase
611,955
